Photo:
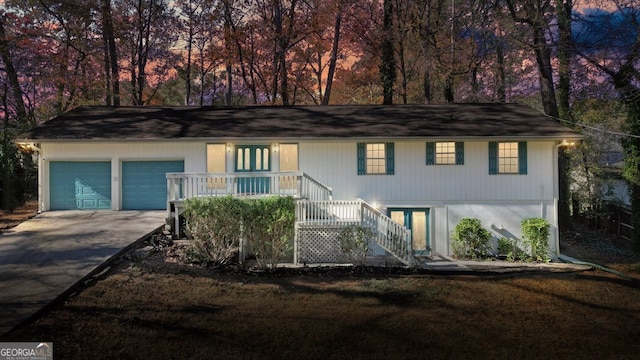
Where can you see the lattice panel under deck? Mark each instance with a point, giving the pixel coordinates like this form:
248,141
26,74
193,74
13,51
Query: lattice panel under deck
320,244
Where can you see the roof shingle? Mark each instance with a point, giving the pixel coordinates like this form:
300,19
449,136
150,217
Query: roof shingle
353,121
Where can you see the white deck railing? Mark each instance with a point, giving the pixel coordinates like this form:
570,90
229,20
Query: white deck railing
390,235
182,186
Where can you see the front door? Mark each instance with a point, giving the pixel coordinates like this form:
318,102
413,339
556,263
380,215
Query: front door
251,159
416,220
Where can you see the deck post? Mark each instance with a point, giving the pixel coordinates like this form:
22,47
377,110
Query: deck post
295,243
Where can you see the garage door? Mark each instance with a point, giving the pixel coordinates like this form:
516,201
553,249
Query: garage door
144,183
80,185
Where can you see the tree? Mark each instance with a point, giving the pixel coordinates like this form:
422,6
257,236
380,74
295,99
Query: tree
535,14
609,41
564,8
12,75
146,28
388,60
199,24
111,66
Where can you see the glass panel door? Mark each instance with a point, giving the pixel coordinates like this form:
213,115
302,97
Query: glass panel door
253,158
416,220
419,236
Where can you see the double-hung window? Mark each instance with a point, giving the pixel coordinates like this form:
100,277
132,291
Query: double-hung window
445,153
375,158
508,157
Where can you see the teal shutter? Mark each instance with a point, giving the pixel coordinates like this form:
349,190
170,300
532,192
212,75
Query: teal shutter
361,159
389,153
522,157
459,153
493,158
431,153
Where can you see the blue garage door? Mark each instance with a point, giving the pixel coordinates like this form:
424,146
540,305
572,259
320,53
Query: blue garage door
144,183
80,185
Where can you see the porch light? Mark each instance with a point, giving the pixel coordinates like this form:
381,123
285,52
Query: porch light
275,147
567,143
28,148
228,148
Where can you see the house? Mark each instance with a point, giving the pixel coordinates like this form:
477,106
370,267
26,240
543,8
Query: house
410,172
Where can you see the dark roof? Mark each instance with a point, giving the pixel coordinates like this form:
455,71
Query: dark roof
396,121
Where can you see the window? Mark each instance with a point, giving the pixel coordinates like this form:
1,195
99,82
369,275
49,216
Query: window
288,162
445,153
375,158
508,157
216,163
288,157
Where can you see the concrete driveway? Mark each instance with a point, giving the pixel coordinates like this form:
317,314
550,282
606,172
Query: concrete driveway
43,257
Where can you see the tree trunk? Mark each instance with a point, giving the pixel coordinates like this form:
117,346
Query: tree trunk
563,10
501,80
403,71
388,64
111,57
425,34
107,72
334,57
187,97
12,75
545,71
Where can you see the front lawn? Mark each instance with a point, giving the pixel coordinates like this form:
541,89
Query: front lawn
149,309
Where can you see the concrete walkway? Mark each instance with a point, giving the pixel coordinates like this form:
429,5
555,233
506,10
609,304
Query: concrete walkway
43,257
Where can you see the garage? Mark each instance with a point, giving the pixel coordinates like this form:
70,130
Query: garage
144,183
83,185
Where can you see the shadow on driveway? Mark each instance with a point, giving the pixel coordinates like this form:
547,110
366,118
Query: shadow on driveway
42,257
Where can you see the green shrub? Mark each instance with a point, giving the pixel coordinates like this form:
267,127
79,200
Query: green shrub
510,248
215,226
504,246
269,225
535,235
354,243
470,239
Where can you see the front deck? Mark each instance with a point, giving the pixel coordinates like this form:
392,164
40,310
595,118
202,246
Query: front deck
319,218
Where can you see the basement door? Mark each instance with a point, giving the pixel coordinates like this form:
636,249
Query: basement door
416,220
252,159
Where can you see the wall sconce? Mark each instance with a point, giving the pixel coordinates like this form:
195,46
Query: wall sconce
228,148
275,147
28,148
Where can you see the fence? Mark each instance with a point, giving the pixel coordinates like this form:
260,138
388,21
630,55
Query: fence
619,221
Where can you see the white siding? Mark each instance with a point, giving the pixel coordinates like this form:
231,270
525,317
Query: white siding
451,191
192,153
414,183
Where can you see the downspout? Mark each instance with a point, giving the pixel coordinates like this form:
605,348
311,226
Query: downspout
556,194
571,260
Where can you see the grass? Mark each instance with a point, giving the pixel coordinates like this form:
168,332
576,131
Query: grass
149,310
